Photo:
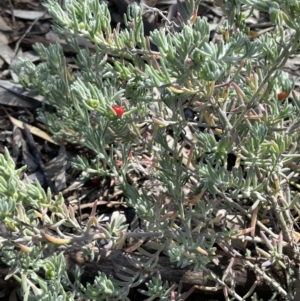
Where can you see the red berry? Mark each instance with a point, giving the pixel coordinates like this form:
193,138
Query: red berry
118,110
281,96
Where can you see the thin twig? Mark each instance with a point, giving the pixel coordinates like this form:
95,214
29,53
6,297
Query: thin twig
269,280
222,284
24,35
13,19
153,9
244,212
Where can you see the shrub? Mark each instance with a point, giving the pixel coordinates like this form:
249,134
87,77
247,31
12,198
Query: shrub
210,125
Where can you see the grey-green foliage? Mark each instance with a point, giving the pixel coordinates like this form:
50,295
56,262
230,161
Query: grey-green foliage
27,215
32,259
119,68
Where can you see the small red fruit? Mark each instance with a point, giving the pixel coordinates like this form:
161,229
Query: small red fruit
118,110
281,96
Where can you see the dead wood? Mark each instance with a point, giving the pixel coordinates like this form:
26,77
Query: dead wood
243,277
